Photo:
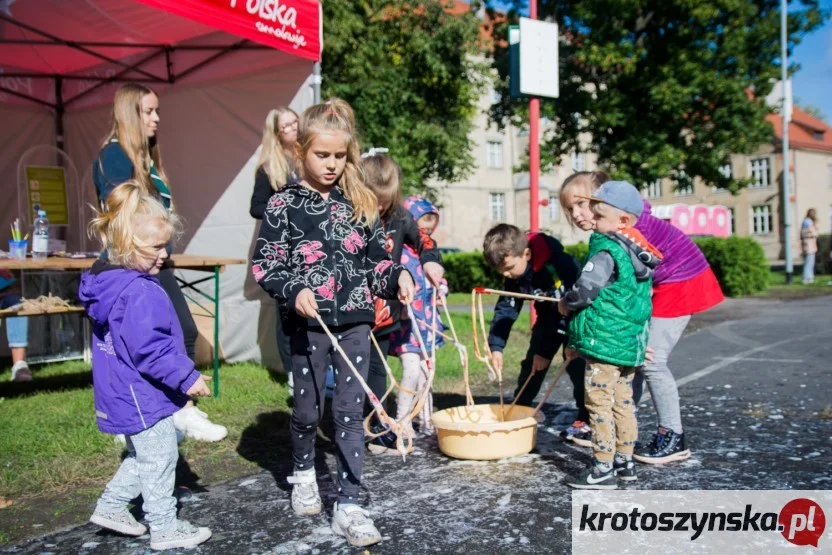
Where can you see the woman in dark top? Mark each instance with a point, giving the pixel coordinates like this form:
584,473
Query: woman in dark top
131,151
276,164
276,168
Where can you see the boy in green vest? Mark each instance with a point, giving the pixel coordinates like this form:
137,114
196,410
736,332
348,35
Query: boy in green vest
611,306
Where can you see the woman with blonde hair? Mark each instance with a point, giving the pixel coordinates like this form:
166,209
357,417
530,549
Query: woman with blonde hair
809,244
276,168
276,164
131,152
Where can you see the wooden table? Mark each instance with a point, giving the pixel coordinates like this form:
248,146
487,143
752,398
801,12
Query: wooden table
213,264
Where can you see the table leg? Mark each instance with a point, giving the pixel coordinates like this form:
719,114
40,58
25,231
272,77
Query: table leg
216,331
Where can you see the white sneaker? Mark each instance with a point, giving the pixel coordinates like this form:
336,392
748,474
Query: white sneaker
355,524
120,521
120,439
183,535
21,372
194,423
305,497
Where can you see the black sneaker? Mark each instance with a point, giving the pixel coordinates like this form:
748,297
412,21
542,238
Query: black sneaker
593,478
384,443
668,447
625,470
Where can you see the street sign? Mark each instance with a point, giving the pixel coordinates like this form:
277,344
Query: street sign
533,59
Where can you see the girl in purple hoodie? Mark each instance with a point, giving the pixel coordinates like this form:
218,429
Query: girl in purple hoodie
683,285
141,372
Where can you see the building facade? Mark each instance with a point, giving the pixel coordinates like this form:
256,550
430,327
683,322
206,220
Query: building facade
495,193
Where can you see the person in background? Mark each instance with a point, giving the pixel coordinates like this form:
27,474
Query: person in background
383,177
276,168
404,342
17,329
809,244
131,152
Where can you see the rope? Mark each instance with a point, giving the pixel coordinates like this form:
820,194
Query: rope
390,423
476,299
44,302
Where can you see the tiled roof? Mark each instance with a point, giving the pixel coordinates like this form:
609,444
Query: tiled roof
805,131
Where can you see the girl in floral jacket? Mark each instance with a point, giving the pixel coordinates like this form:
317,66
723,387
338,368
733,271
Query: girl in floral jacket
321,253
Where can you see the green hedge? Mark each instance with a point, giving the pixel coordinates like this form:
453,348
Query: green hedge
466,270
739,263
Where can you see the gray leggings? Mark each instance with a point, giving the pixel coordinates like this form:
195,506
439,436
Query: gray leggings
148,469
312,353
664,334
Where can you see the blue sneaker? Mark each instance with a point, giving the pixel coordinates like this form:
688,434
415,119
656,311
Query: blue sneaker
667,447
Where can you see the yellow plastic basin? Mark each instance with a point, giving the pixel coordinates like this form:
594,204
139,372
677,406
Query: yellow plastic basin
477,433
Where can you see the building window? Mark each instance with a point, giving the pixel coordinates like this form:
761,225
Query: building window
497,206
653,190
495,154
761,219
830,175
554,208
733,221
577,161
760,173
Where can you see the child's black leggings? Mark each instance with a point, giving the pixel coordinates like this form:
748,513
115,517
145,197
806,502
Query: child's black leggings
312,352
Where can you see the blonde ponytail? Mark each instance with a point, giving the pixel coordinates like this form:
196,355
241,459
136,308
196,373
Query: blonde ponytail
128,206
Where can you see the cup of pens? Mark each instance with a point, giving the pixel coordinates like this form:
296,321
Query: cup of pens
18,244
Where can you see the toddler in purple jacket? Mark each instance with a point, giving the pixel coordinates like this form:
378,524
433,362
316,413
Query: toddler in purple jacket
141,371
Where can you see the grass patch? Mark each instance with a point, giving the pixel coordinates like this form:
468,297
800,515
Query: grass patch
50,443
777,287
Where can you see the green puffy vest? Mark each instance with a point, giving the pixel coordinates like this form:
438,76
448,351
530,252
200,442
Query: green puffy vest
613,329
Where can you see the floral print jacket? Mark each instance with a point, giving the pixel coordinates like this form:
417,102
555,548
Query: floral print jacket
307,241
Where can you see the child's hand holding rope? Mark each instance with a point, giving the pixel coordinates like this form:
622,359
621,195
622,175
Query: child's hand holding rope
407,289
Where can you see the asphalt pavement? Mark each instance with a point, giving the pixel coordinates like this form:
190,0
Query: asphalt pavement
755,384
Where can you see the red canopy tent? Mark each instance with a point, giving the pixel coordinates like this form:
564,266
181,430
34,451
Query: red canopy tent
218,66
57,53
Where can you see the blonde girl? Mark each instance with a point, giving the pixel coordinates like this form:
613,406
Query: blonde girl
275,168
683,284
131,152
142,374
384,177
320,253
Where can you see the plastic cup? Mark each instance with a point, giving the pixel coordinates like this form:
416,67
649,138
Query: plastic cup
17,249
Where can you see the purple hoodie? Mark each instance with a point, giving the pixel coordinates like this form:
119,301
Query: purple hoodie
681,258
140,369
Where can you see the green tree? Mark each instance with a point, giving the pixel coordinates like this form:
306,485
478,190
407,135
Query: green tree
662,86
414,72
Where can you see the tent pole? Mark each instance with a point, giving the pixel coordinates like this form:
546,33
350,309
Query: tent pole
59,113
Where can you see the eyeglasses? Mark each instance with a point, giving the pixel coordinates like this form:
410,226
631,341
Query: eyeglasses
287,126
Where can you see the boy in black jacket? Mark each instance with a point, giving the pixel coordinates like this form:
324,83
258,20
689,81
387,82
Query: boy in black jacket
534,264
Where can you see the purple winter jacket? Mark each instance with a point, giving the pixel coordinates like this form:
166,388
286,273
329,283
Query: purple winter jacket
140,368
